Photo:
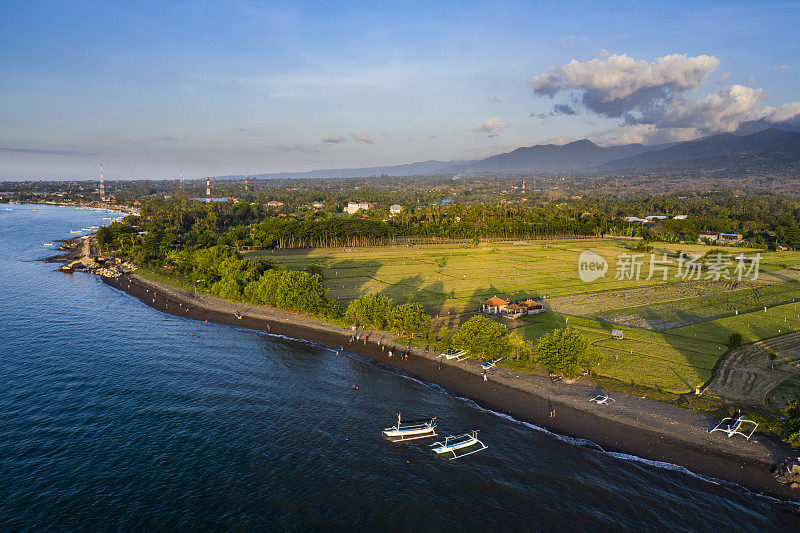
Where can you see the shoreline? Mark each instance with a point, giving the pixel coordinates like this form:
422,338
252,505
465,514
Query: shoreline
632,426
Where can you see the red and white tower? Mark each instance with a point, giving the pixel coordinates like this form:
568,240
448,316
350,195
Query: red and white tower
523,185
245,180
208,189
102,184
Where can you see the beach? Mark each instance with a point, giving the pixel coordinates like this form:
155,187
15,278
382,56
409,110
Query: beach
631,426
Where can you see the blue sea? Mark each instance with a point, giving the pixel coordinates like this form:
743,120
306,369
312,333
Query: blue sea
113,417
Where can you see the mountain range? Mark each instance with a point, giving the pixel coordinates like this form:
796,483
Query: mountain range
756,146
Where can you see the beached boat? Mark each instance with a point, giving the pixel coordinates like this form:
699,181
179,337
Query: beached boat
459,446
451,354
411,429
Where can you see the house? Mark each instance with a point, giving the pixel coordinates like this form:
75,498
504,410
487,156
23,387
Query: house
395,209
719,237
511,309
680,217
354,207
318,205
655,217
274,203
494,305
618,334
729,237
705,236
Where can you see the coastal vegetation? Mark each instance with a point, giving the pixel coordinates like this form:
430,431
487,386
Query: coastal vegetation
423,273
564,351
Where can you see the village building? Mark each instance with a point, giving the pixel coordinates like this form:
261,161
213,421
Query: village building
354,207
705,236
274,203
395,209
511,309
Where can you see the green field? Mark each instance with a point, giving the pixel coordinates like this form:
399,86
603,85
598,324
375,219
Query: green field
675,331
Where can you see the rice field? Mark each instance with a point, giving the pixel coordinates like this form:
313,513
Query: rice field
675,330
457,278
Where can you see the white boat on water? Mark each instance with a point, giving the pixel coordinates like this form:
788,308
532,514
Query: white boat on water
459,446
48,244
411,429
76,231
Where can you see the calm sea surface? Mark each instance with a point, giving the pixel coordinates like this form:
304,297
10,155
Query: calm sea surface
113,417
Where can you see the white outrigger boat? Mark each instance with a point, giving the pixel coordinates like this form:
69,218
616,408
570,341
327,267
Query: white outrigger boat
411,429
459,446
451,354
48,244
731,426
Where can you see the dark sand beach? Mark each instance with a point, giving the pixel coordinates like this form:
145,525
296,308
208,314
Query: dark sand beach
634,426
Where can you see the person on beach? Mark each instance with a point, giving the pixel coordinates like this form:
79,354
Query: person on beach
390,353
551,408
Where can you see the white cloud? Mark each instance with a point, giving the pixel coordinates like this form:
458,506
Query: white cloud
492,127
559,140
719,111
643,134
336,139
654,100
618,84
784,113
723,79
361,138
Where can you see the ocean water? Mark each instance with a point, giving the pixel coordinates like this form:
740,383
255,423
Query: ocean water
112,416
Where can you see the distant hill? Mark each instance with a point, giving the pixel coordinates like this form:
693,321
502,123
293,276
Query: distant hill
410,169
755,146
578,155
709,152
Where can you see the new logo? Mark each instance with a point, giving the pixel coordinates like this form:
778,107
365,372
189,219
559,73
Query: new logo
591,266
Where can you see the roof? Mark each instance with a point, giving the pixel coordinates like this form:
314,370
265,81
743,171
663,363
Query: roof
515,307
494,301
531,303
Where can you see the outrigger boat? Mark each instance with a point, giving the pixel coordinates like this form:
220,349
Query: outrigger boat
451,354
459,446
411,429
735,428
490,366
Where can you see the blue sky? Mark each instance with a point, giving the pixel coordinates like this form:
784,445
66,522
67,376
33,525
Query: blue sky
150,88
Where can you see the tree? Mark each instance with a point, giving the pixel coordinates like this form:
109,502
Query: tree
482,336
369,310
734,340
410,319
789,424
564,351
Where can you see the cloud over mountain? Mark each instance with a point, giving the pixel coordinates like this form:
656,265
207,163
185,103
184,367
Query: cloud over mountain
363,138
491,128
654,101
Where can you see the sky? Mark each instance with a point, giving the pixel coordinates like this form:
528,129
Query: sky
151,89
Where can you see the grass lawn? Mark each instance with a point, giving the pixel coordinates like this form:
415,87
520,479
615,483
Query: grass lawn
753,326
659,360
